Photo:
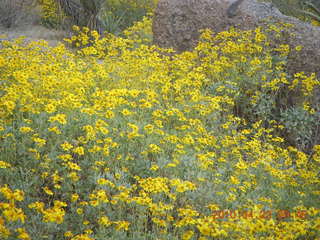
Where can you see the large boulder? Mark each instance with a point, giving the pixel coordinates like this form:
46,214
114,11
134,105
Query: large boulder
177,23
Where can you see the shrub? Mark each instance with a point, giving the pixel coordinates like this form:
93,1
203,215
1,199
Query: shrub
118,15
52,15
306,10
14,12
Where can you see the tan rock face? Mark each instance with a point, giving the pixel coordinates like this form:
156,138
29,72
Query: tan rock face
177,23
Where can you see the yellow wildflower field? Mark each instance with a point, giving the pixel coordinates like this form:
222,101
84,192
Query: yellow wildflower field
118,139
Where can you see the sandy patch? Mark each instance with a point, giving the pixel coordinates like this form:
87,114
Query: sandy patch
33,33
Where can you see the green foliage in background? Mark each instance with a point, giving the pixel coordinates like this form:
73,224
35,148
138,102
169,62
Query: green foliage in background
118,15
111,16
306,10
51,14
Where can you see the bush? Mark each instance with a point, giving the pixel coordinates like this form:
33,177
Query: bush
118,15
14,12
306,10
52,15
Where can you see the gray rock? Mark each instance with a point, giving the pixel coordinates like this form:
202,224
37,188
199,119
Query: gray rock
177,23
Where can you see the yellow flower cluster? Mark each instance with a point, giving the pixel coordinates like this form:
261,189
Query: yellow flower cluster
10,212
50,13
121,139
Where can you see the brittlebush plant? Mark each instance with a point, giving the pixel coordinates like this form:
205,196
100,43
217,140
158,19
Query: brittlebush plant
134,143
51,14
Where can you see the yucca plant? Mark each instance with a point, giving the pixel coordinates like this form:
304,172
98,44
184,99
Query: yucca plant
313,9
91,9
305,10
83,12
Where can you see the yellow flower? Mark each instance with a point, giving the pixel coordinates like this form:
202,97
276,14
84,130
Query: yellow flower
79,150
149,128
154,167
241,165
23,235
94,203
109,114
126,112
4,164
50,108
153,148
187,235
74,197
171,165
47,191
122,225
4,232
13,214
75,28
74,176
188,139
68,234
55,130
79,211
315,22
73,166
234,180
65,157
88,231
60,118
213,207
25,129
82,237
205,229
18,195
66,146
159,222
104,221
39,141
39,206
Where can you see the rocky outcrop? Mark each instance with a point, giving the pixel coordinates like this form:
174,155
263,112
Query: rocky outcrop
177,23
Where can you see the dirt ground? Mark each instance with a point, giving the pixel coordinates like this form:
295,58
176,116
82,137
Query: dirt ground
27,22
33,33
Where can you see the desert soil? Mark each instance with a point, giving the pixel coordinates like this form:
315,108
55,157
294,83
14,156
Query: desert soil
33,33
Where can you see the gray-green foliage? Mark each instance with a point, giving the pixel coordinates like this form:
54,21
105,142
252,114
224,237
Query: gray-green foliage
104,15
303,9
119,15
302,126
83,12
92,6
313,9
